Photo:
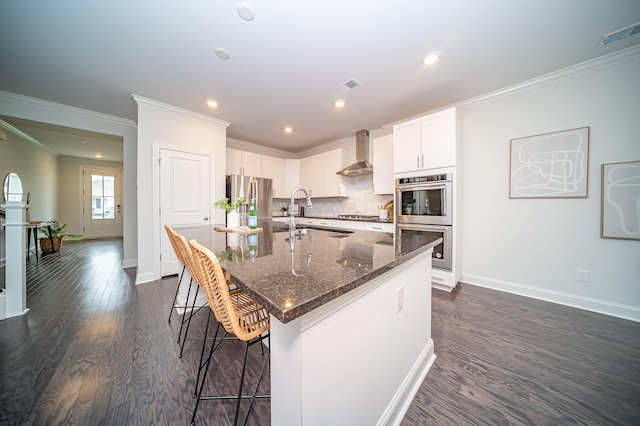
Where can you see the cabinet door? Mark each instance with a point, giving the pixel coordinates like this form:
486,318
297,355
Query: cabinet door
438,134
317,176
383,181
333,161
233,162
292,176
252,164
406,146
273,168
306,174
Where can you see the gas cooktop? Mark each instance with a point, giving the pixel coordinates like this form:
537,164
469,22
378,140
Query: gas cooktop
357,217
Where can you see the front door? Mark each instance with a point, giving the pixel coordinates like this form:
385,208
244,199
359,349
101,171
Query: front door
102,202
184,201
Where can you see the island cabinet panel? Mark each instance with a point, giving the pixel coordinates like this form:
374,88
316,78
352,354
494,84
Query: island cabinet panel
337,347
429,142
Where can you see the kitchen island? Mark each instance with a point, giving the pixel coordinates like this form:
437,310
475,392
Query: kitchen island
350,319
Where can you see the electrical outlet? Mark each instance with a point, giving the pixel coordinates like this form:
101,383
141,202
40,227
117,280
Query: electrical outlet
583,276
400,298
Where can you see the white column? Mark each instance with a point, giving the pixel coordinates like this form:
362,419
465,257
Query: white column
15,254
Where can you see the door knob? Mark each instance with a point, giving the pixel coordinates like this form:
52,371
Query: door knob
206,218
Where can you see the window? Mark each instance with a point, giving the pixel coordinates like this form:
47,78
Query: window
102,197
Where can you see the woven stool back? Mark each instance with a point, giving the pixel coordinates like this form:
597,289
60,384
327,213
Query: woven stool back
234,309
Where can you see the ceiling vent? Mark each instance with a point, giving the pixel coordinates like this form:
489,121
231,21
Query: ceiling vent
348,86
629,31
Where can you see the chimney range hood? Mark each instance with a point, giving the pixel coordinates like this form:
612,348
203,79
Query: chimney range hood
362,166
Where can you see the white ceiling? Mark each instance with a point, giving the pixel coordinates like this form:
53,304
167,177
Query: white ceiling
285,64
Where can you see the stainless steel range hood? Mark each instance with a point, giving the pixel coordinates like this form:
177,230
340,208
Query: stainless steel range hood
362,166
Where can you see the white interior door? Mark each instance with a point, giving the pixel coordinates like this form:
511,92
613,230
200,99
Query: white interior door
101,202
184,201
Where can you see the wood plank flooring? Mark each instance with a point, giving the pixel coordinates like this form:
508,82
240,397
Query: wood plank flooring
95,349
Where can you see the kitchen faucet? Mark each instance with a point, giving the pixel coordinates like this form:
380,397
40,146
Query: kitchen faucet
292,222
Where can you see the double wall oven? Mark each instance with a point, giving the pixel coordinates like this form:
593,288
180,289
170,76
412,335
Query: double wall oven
423,208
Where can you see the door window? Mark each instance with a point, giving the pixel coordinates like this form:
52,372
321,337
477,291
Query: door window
102,197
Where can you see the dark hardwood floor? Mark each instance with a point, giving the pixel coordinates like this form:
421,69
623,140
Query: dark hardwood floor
95,349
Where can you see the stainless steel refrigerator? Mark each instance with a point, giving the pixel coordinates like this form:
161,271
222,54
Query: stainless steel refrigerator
248,187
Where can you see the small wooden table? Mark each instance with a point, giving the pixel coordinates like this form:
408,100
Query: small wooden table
32,227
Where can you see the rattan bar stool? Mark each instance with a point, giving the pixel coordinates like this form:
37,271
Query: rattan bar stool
172,234
238,314
183,252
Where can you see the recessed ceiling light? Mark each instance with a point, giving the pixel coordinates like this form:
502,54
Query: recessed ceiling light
431,58
98,156
246,12
222,53
212,103
339,103
288,129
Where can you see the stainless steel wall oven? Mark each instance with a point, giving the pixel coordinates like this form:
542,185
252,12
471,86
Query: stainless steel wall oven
424,200
423,207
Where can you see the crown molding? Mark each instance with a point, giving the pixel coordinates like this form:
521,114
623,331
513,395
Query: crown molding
552,77
150,102
32,103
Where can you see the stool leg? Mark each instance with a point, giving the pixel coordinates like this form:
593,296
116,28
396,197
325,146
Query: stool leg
193,307
173,305
186,305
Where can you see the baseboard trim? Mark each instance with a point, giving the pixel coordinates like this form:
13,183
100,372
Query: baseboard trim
594,305
397,408
129,263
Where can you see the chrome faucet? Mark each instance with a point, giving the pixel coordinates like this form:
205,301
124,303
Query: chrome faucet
292,222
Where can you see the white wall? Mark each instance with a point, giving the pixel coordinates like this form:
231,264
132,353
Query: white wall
535,246
172,127
70,206
24,107
38,171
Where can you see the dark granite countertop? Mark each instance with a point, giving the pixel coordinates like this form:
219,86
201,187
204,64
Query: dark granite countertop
339,261
308,216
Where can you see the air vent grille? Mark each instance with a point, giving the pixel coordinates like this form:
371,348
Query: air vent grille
620,34
348,86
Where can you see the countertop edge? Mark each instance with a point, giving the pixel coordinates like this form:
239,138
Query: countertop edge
286,316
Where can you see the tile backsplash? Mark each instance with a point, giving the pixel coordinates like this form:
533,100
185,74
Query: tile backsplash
360,200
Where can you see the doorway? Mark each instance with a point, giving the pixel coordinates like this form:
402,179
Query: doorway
101,202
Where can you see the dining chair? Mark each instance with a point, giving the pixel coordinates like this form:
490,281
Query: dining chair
238,314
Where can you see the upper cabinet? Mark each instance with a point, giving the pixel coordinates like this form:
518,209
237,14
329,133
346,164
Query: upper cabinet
318,173
292,176
428,142
274,169
243,163
383,181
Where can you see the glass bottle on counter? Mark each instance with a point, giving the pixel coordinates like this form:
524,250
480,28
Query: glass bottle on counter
253,215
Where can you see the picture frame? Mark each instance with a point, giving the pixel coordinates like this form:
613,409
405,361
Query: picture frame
550,165
620,201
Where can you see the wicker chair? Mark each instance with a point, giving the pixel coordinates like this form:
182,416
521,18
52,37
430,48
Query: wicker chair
237,313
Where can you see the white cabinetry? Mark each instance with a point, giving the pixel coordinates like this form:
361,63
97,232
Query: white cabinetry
383,181
292,176
334,161
274,168
318,173
243,163
428,142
